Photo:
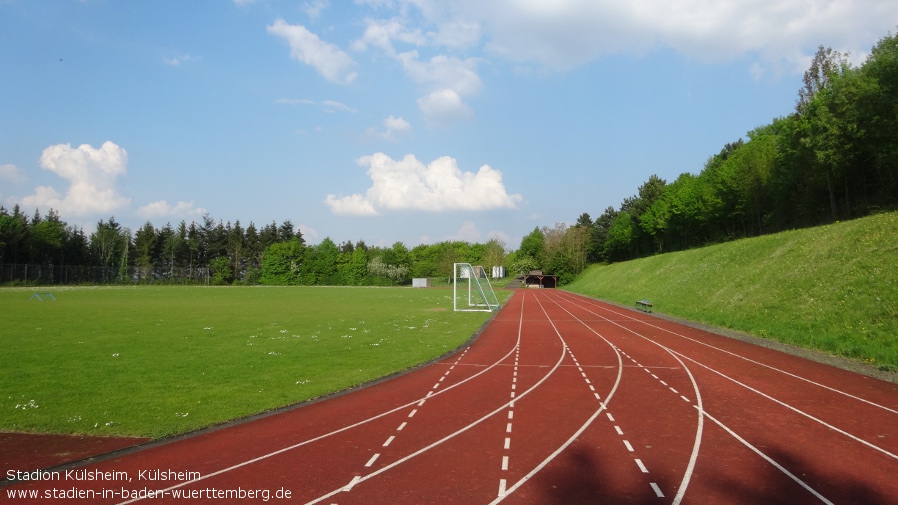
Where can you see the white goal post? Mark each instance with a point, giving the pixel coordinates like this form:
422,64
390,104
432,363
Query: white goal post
471,289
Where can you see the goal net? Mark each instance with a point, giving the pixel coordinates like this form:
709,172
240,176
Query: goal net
471,289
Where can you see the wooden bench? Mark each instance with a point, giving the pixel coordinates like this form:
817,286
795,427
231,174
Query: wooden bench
644,305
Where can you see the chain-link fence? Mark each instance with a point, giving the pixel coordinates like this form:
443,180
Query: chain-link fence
41,275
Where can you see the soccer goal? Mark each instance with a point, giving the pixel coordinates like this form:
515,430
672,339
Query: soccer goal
471,289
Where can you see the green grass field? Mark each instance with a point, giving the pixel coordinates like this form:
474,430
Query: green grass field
155,361
832,288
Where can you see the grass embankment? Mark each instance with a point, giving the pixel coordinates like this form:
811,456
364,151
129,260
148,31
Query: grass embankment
156,361
833,288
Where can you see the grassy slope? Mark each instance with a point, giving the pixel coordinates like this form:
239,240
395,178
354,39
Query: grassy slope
832,288
155,361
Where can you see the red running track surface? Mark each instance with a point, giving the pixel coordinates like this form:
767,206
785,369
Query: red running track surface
562,399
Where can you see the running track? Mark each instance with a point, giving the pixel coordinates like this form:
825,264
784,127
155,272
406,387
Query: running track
562,399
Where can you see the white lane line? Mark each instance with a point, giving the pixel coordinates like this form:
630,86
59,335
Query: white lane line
401,426
610,417
731,353
502,485
618,430
389,440
641,466
657,490
510,414
372,460
412,413
602,407
504,462
488,415
700,422
768,459
629,447
352,483
508,428
796,410
507,443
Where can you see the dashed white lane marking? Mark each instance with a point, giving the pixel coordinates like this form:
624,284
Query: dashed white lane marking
618,430
657,490
507,443
389,440
629,447
372,460
412,413
504,462
401,426
641,466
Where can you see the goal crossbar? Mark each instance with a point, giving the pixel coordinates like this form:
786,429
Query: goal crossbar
472,290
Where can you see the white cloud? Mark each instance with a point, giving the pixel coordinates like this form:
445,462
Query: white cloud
314,9
327,59
162,208
309,235
562,34
328,106
91,174
394,129
11,173
177,60
443,108
381,33
408,184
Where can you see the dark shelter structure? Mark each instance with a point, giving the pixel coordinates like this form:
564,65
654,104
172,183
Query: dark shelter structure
537,279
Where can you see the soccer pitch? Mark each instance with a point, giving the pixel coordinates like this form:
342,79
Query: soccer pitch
155,361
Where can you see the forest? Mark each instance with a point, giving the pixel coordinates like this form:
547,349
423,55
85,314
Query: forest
834,157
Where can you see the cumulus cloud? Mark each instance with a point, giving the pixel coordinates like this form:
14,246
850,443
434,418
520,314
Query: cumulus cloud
446,78
562,34
409,184
91,174
444,107
11,173
327,59
162,208
394,129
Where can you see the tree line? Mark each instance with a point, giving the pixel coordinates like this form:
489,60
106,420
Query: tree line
46,250
835,157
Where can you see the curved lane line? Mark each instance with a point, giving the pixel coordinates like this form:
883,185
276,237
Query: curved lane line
765,395
461,430
699,428
834,390
795,409
769,460
334,432
586,424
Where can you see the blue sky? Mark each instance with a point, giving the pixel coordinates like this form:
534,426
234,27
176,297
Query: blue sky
390,120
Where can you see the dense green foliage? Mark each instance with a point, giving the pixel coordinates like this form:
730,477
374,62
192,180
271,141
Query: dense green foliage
158,360
834,158
45,250
832,288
